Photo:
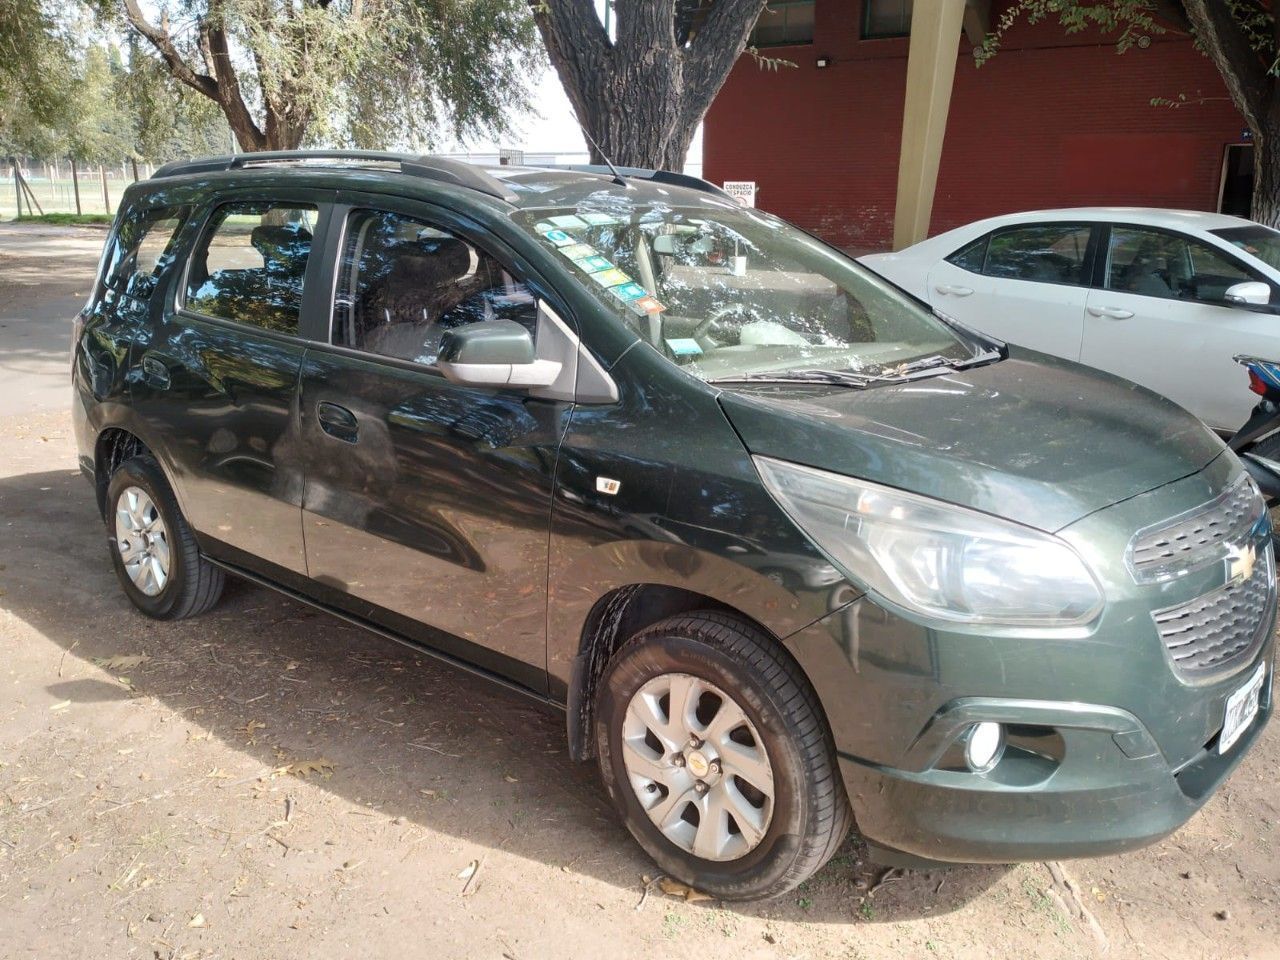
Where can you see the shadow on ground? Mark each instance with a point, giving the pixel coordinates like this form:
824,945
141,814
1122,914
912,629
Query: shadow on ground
406,735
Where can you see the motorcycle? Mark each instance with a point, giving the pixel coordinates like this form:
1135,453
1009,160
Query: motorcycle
1257,443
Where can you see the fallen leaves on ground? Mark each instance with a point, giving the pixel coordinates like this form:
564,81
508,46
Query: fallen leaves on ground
674,888
304,768
121,661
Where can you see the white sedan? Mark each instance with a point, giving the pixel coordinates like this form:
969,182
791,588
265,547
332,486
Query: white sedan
1161,297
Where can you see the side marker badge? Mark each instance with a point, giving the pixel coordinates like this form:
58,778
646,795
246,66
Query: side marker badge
608,485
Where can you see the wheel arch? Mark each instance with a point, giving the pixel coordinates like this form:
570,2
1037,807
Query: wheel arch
616,617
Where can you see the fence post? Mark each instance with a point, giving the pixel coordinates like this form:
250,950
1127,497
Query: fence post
134,161
17,187
75,183
106,200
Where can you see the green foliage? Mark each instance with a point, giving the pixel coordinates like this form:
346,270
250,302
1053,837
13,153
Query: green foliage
1128,20
367,73
34,91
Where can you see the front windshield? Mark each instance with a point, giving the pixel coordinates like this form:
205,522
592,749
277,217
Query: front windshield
1262,242
727,292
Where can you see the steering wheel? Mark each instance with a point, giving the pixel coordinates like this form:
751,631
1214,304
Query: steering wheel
714,324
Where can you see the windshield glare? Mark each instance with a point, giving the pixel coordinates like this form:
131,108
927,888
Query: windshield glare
726,292
1262,242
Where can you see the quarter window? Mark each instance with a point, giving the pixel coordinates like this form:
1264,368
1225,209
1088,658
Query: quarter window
971,256
144,244
403,282
784,22
885,18
249,267
1153,263
1048,253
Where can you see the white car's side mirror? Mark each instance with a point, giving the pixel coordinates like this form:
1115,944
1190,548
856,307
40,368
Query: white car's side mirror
1252,293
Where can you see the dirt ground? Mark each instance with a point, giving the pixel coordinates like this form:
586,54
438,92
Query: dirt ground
266,781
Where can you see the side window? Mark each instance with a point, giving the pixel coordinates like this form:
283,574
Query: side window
1048,253
1153,263
403,282
143,245
971,256
250,264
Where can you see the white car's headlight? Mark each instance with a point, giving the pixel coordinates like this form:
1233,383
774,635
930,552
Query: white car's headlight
935,559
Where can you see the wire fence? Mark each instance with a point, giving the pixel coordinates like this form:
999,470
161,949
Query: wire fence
57,186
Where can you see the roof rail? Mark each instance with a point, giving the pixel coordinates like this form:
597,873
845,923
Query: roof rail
640,173
446,170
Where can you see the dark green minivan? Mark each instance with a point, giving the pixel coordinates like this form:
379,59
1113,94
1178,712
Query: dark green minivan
788,549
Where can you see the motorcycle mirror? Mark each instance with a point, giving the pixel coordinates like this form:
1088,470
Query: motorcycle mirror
1250,293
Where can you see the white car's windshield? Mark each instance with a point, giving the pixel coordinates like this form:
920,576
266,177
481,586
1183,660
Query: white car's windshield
1262,242
729,293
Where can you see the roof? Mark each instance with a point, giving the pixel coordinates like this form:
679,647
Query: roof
1155,216
520,186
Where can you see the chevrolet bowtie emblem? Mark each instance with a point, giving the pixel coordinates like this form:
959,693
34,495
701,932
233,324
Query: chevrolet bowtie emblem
1240,561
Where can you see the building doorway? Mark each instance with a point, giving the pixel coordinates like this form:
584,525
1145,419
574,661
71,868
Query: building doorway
1236,194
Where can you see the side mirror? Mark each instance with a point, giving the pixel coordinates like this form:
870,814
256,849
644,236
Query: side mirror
494,353
1250,293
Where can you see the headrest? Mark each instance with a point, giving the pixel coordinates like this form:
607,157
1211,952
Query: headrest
282,245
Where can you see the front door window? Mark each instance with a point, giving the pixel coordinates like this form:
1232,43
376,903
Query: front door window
403,282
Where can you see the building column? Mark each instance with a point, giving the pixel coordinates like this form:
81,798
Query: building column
931,70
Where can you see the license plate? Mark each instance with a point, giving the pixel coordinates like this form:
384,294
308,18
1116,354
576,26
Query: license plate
1242,708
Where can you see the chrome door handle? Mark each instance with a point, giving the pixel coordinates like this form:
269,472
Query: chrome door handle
947,288
1114,313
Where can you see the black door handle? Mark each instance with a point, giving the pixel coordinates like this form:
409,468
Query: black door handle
155,373
337,421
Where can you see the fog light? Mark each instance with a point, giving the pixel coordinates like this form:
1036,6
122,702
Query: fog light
983,748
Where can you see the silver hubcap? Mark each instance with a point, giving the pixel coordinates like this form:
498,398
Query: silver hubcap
142,541
698,767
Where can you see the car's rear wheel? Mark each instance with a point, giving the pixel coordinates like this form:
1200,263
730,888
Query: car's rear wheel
715,751
153,549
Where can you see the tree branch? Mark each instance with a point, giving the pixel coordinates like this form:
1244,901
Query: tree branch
1247,78
159,38
723,35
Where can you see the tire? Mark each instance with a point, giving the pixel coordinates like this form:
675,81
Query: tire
808,813
190,585
1269,448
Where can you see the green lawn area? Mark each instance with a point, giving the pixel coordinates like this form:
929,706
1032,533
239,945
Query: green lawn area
67,219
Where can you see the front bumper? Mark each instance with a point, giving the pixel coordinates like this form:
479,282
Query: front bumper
1112,790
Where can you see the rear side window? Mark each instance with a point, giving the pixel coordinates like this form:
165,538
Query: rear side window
250,263
1048,253
403,283
142,246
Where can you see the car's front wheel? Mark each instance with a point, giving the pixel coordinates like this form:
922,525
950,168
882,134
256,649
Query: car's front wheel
153,549
715,751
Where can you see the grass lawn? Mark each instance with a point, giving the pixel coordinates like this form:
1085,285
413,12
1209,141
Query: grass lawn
68,219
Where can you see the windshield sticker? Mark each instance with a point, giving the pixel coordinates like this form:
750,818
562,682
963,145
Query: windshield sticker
629,291
610,278
599,219
568,220
559,237
593,264
646,305
579,251
685,347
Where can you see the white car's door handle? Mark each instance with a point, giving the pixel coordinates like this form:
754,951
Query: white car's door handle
947,288
1114,313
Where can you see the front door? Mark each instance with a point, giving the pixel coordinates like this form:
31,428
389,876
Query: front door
214,379
1160,320
428,503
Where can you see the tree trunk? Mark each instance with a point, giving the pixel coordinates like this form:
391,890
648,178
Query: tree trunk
1266,177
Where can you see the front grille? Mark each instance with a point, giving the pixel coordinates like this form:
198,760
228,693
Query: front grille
1198,537
1222,630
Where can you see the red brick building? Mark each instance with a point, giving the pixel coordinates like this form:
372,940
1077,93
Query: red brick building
1053,120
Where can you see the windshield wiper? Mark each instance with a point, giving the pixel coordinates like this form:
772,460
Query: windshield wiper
844,378
936,362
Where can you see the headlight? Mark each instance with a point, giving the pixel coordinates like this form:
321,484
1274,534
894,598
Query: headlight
934,559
